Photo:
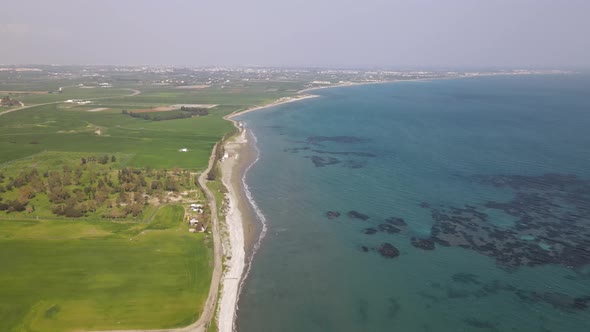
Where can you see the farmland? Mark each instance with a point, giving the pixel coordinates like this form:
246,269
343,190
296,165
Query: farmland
90,234
66,275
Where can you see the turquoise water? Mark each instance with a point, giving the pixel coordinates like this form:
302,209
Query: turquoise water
464,164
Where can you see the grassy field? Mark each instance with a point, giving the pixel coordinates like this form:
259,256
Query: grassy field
67,276
91,272
152,144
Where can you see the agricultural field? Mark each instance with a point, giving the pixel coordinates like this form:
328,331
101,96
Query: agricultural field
81,275
92,231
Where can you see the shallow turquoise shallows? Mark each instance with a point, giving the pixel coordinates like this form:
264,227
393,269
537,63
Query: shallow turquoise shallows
450,205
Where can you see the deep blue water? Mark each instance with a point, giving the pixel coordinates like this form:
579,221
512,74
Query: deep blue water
463,163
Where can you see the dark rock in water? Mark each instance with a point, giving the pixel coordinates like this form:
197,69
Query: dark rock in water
480,324
324,161
424,244
388,250
332,214
387,228
357,215
396,221
364,248
369,231
335,139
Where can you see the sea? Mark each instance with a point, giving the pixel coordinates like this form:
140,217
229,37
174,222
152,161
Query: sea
443,205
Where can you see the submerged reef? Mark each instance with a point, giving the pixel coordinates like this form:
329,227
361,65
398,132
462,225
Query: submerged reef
552,226
332,214
388,250
319,161
322,161
424,244
464,286
357,215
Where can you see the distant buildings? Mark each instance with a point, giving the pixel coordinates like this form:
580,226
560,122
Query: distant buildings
78,101
8,102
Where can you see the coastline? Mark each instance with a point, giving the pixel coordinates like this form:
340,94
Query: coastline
244,224
242,227
242,216
281,101
234,240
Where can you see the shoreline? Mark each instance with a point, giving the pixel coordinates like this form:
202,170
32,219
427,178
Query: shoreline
233,241
281,101
243,225
244,222
243,217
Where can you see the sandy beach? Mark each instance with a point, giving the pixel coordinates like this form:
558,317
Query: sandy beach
239,231
281,101
233,235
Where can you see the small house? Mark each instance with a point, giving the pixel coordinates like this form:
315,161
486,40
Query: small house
192,230
193,222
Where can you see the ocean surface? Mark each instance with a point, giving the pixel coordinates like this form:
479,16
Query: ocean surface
449,205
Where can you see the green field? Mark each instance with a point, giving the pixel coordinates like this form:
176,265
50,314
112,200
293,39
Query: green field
64,276
92,273
151,144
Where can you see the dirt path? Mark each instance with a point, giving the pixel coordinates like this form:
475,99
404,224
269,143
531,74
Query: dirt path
209,309
133,93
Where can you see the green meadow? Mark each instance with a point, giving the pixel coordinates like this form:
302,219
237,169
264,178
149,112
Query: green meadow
152,144
155,144
92,273
67,276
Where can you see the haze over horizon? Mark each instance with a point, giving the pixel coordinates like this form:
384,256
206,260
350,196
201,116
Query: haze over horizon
330,33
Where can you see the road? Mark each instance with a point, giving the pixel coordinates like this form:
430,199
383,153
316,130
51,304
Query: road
133,93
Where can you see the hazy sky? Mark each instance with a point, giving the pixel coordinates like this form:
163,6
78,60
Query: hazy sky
411,33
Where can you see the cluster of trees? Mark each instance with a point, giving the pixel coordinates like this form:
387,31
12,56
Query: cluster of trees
195,110
185,112
75,191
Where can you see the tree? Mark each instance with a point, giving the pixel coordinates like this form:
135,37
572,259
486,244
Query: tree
91,205
171,184
58,194
113,159
156,185
122,198
25,193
